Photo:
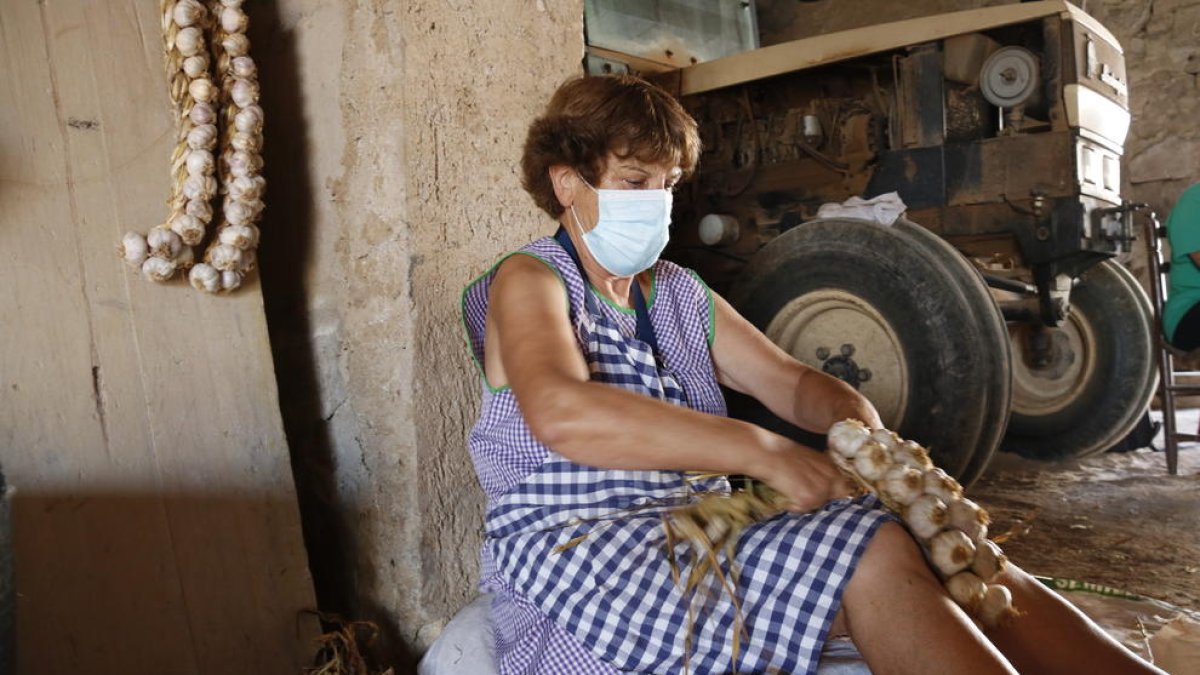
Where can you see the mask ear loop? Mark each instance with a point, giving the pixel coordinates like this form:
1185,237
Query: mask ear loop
574,213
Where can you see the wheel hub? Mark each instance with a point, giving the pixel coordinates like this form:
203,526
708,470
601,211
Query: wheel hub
845,336
1052,369
843,366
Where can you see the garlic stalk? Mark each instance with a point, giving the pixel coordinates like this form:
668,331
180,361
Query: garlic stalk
231,254
950,528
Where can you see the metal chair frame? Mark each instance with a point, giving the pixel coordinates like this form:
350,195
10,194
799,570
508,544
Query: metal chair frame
1168,388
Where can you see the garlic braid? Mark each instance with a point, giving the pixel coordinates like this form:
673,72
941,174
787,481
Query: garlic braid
951,529
188,27
232,254
168,247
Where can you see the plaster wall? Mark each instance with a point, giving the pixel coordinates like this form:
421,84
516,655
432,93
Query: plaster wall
392,153
1161,39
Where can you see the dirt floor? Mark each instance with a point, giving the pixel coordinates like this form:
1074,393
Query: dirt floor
1116,519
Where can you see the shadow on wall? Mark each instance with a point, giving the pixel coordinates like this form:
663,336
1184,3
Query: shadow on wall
159,583
329,536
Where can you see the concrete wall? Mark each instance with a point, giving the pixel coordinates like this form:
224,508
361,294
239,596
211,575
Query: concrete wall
392,148
1162,53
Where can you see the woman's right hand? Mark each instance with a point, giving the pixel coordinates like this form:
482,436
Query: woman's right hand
806,478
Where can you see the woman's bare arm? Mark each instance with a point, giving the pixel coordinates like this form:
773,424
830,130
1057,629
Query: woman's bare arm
601,425
750,363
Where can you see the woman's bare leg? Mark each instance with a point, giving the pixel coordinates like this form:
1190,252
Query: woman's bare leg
1052,636
901,619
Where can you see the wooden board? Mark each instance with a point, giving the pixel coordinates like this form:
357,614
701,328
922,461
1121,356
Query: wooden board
832,47
156,527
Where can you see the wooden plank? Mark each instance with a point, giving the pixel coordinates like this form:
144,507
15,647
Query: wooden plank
832,47
157,529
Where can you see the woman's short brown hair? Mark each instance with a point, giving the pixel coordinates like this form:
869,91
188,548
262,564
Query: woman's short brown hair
590,117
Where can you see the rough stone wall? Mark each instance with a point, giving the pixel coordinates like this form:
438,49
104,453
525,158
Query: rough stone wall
394,136
1161,39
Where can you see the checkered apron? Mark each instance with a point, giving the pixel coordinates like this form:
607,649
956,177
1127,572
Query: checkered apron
607,602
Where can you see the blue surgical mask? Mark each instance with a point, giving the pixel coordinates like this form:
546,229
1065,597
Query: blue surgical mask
631,230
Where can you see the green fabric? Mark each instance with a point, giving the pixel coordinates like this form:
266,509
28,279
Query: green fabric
1183,230
712,307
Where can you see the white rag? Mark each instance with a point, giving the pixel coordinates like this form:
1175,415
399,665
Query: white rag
884,209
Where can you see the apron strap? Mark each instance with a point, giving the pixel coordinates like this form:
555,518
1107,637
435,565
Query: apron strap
645,329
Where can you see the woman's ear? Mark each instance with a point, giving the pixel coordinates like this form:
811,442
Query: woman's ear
565,181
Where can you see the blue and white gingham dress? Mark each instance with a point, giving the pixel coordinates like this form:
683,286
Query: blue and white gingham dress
609,603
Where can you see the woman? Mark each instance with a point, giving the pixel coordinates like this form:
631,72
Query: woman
601,367
1181,313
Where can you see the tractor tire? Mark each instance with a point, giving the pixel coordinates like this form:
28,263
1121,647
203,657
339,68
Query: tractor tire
902,317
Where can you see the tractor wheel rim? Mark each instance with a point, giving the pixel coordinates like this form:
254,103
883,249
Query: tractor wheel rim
1045,390
840,333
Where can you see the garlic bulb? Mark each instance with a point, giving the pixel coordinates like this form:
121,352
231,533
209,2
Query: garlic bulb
951,552
996,607
230,280
200,209
199,187
202,137
232,3
247,188
244,92
845,437
243,66
940,484
249,142
185,259
163,242
133,249
195,66
989,560
205,277
888,439
236,44
189,41
925,516
242,163
237,212
203,113
225,257
967,590
872,460
187,13
249,119
189,228
202,89
966,515
241,236
158,269
910,453
249,261
233,20
902,484
199,162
